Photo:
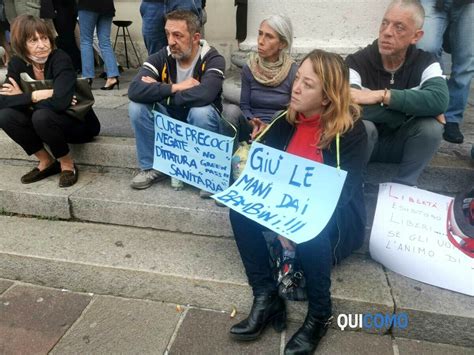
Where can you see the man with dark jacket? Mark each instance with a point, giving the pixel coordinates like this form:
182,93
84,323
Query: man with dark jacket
183,80
402,91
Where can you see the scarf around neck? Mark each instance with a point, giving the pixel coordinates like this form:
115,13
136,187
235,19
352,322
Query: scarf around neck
270,73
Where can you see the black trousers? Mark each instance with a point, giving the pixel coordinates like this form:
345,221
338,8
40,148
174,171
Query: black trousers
65,23
316,256
32,130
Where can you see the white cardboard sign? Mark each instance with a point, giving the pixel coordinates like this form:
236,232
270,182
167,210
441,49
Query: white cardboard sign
409,237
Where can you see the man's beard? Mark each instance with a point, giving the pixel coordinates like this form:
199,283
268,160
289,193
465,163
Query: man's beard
183,55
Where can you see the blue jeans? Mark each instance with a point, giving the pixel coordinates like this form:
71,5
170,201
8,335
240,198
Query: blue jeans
153,25
142,120
153,20
190,5
88,20
458,20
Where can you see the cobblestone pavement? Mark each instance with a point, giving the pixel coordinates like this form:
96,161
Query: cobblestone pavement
41,320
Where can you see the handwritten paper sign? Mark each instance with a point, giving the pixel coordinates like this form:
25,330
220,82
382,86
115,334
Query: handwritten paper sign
292,196
409,237
191,154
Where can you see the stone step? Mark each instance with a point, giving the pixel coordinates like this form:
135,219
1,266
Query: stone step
160,265
449,172
104,151
106,197
206,272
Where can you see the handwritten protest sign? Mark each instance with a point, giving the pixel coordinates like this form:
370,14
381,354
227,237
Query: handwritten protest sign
191,154
409,237
292,196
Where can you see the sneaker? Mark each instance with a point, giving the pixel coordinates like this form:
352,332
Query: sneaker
145,178
452,133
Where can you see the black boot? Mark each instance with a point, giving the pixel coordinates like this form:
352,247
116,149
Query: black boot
306,339
266,308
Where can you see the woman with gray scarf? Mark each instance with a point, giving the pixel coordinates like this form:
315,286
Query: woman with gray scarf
267,77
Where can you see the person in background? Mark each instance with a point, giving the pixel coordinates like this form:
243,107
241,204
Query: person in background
153,14
322,125
240,20
65,23
97,14
449,25
39,8
4,27
38,118
14,8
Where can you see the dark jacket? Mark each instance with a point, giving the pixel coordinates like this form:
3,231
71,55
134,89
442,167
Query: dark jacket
209,71
102,7
47,9
58,68
418,87
350,215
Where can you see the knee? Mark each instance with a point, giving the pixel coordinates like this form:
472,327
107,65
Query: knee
41,119
428,129
232,114
104,43
138,111
203,111
6,116
86,38
201,116
372,138
237,221
234,217
372,133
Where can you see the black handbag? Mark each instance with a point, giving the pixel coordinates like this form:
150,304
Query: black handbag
83,94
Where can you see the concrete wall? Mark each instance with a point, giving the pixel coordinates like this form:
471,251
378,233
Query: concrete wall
337,25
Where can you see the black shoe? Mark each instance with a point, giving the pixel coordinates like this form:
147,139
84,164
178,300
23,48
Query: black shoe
68,177
452,133
266,308
306,339
37,175
110,87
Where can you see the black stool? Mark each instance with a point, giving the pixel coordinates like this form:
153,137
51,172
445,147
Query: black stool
124,26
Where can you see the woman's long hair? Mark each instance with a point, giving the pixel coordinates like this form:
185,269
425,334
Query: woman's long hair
341,112
25,27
